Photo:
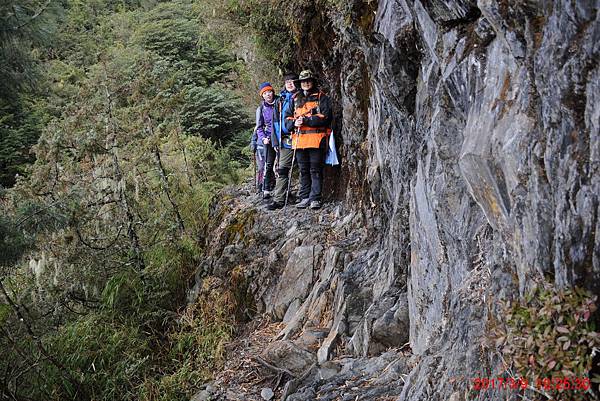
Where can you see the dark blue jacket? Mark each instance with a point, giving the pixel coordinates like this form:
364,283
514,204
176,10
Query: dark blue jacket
280,130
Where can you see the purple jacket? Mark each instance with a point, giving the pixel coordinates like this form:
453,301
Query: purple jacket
264,120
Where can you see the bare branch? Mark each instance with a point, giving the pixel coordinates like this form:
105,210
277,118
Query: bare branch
96,248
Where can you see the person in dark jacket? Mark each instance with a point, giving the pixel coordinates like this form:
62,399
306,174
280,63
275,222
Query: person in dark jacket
309,116
282,141
264,129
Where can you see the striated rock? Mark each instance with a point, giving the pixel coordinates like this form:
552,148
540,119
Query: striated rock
385,324
391,329
295,282
312,338
468,132
482,165
292,310
351,379
327,370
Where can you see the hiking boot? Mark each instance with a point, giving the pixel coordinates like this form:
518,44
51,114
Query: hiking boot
266,194
315,204
275,205
303,204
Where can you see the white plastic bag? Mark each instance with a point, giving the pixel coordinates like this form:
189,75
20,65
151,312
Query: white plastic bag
331,157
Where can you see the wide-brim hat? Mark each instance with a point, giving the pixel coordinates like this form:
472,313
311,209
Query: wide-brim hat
306,75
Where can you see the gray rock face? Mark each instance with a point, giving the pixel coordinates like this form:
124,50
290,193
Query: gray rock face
287,355
391,328
355,379
296,279
483,136
469,133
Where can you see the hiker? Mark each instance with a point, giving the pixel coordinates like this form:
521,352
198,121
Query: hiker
309,117
264,129
282,142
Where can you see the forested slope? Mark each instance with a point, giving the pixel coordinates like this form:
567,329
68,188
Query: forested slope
120,122
459,240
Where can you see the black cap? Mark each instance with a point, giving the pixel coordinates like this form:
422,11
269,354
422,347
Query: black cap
290,76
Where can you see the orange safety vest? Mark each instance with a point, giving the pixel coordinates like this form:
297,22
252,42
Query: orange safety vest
305,137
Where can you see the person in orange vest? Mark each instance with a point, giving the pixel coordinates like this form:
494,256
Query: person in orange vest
309,116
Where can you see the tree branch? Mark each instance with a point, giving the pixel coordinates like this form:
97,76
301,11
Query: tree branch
96,248
30,20
61,368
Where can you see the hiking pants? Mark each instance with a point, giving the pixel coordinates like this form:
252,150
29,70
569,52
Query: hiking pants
283,169
311,162
269,181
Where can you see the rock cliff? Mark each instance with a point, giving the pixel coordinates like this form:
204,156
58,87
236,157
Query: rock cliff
469,138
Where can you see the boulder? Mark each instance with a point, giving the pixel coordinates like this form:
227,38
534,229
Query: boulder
391,329
287,355
296,280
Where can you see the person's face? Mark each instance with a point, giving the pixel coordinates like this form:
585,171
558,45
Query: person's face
306,85
289,85
268,96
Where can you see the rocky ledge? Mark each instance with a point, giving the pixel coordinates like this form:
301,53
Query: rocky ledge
469,139
311,329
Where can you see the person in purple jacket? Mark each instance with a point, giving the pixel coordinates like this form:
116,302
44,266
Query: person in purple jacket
264,129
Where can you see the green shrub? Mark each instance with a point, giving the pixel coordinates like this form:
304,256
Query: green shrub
549,335
274,33
195,345
108,357
169,31
123,81
213,113
124,292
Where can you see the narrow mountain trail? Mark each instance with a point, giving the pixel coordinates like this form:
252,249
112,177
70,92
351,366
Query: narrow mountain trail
294,269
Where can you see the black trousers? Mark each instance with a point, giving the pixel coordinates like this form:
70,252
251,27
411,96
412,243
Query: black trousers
269,179
311,162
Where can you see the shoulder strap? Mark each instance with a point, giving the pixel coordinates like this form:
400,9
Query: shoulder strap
260,117
319,102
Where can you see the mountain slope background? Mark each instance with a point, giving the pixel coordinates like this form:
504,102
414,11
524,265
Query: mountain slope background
460,239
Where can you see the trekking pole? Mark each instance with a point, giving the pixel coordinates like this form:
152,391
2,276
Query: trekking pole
287,192
281,122
255,177
264,177
278,160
